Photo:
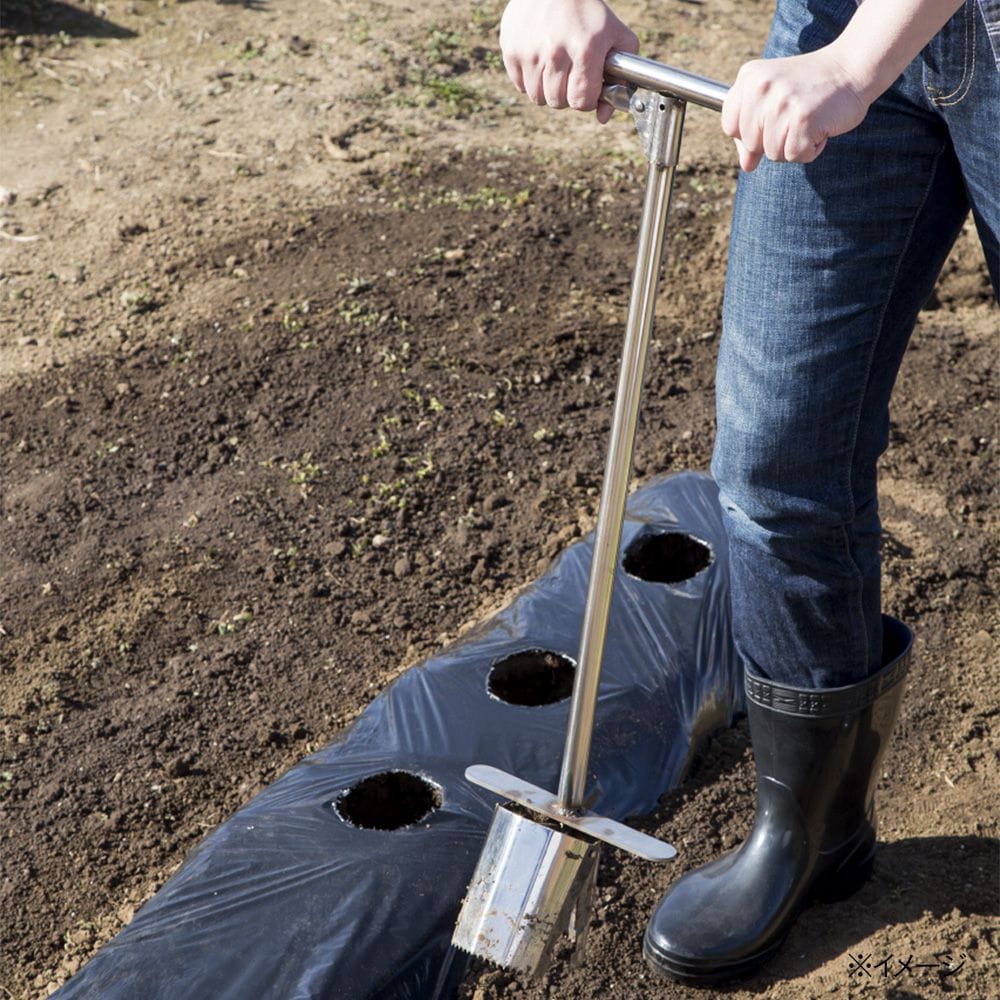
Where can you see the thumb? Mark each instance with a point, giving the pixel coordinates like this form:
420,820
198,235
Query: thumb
626,40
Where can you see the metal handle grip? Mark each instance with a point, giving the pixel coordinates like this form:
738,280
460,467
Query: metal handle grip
665,79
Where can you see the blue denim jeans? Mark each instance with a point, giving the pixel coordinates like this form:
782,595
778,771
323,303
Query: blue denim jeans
829,264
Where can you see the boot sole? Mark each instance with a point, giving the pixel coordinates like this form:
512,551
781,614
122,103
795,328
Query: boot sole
835,887
704,974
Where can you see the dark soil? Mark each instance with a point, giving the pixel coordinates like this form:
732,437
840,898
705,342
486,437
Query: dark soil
314,442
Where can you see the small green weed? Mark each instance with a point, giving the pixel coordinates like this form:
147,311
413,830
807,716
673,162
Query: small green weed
395,360
361,30
459,98
487,199
358,312
383,447
441,46
240,620
249,50
302,472
485,17
293,318
501,419
137,301
183,352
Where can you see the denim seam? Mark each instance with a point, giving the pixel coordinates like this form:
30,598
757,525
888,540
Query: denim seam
935,93
944,102
937,97
857,610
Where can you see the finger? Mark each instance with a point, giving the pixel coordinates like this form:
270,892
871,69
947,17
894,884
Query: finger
533,83
554,77
774,142
587,74
800,147
731,113
511,56
750,135
748,159
513,67
586,77
737,102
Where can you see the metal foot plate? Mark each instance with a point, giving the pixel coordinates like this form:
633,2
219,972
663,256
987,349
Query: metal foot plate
540,801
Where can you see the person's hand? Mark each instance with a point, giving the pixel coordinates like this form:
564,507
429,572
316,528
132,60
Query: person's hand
554,50
788,108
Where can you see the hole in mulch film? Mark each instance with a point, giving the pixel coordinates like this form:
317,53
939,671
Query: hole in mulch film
666,557
532,677
389,800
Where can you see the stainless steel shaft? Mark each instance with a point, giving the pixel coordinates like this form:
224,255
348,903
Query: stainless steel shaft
652,231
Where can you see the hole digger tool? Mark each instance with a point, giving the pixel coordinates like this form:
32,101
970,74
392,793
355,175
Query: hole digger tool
535,879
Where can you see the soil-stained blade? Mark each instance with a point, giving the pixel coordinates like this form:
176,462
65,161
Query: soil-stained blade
532,886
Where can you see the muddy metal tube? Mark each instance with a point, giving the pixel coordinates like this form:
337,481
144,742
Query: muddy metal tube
665,79
652,231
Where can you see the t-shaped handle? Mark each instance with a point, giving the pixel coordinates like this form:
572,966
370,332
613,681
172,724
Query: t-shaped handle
656,76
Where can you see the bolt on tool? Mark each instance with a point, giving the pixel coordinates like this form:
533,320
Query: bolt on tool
535,879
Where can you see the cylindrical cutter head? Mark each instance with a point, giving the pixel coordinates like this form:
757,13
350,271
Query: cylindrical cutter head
533,885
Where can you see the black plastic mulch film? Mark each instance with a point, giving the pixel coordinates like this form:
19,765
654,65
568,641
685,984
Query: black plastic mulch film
305,892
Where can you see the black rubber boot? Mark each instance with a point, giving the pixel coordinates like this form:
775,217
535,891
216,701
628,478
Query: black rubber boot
817,754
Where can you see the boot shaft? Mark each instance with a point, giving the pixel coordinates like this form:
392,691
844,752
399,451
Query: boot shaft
824,748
